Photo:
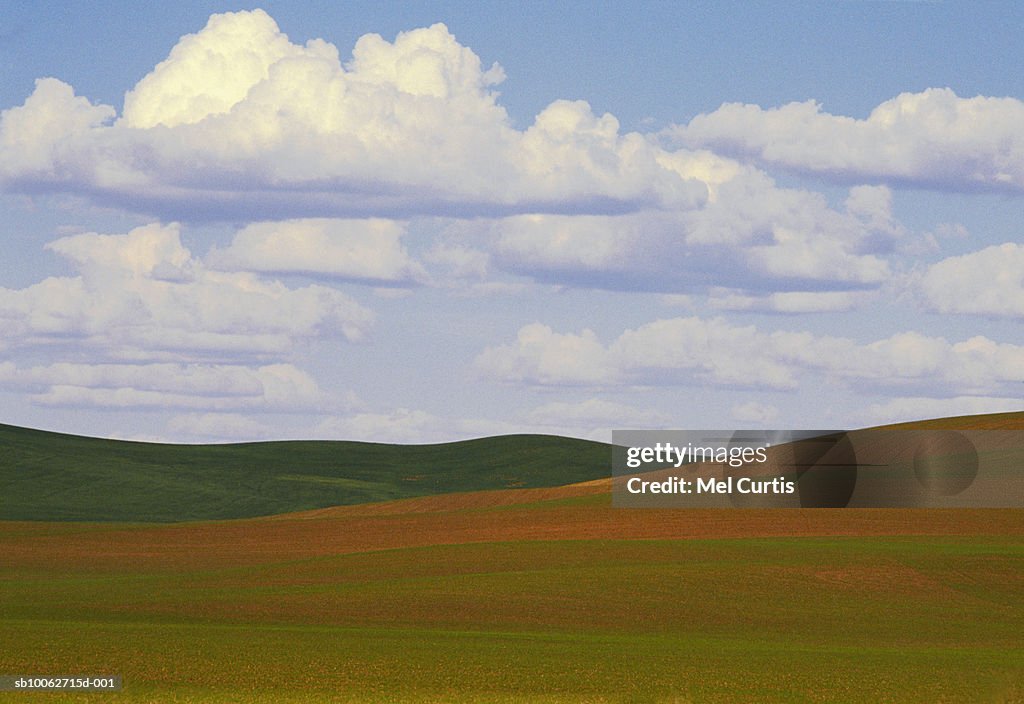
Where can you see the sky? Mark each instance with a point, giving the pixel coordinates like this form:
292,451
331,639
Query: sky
423,222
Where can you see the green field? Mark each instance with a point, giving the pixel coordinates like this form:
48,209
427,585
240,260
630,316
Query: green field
788,620
54,477
509,595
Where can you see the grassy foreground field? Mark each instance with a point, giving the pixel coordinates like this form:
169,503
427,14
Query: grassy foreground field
524,595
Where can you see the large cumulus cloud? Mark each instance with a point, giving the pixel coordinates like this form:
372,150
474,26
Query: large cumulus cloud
240,123
238,119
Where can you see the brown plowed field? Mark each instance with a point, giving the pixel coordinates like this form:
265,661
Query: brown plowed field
576,512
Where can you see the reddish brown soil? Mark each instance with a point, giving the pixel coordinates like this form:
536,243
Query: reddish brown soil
575,512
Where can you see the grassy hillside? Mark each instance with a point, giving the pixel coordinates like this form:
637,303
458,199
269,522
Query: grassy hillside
48,476
54,477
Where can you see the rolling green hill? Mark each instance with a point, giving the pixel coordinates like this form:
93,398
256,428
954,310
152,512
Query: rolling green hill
48,476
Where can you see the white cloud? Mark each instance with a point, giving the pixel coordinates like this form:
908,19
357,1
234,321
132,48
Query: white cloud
706,167
872,205
933,139
660,350
792,234
695,350
239,121
543,356
572,152
366,251
564,242
637,251
272,387
986,282
143,296
807,256
210,72
467,270
753,235
40,137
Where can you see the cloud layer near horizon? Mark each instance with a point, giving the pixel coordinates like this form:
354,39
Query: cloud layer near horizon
695,351
162,330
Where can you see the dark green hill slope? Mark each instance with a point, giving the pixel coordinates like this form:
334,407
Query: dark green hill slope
50,476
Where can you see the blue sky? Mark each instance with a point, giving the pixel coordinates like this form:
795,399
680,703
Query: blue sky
422,222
